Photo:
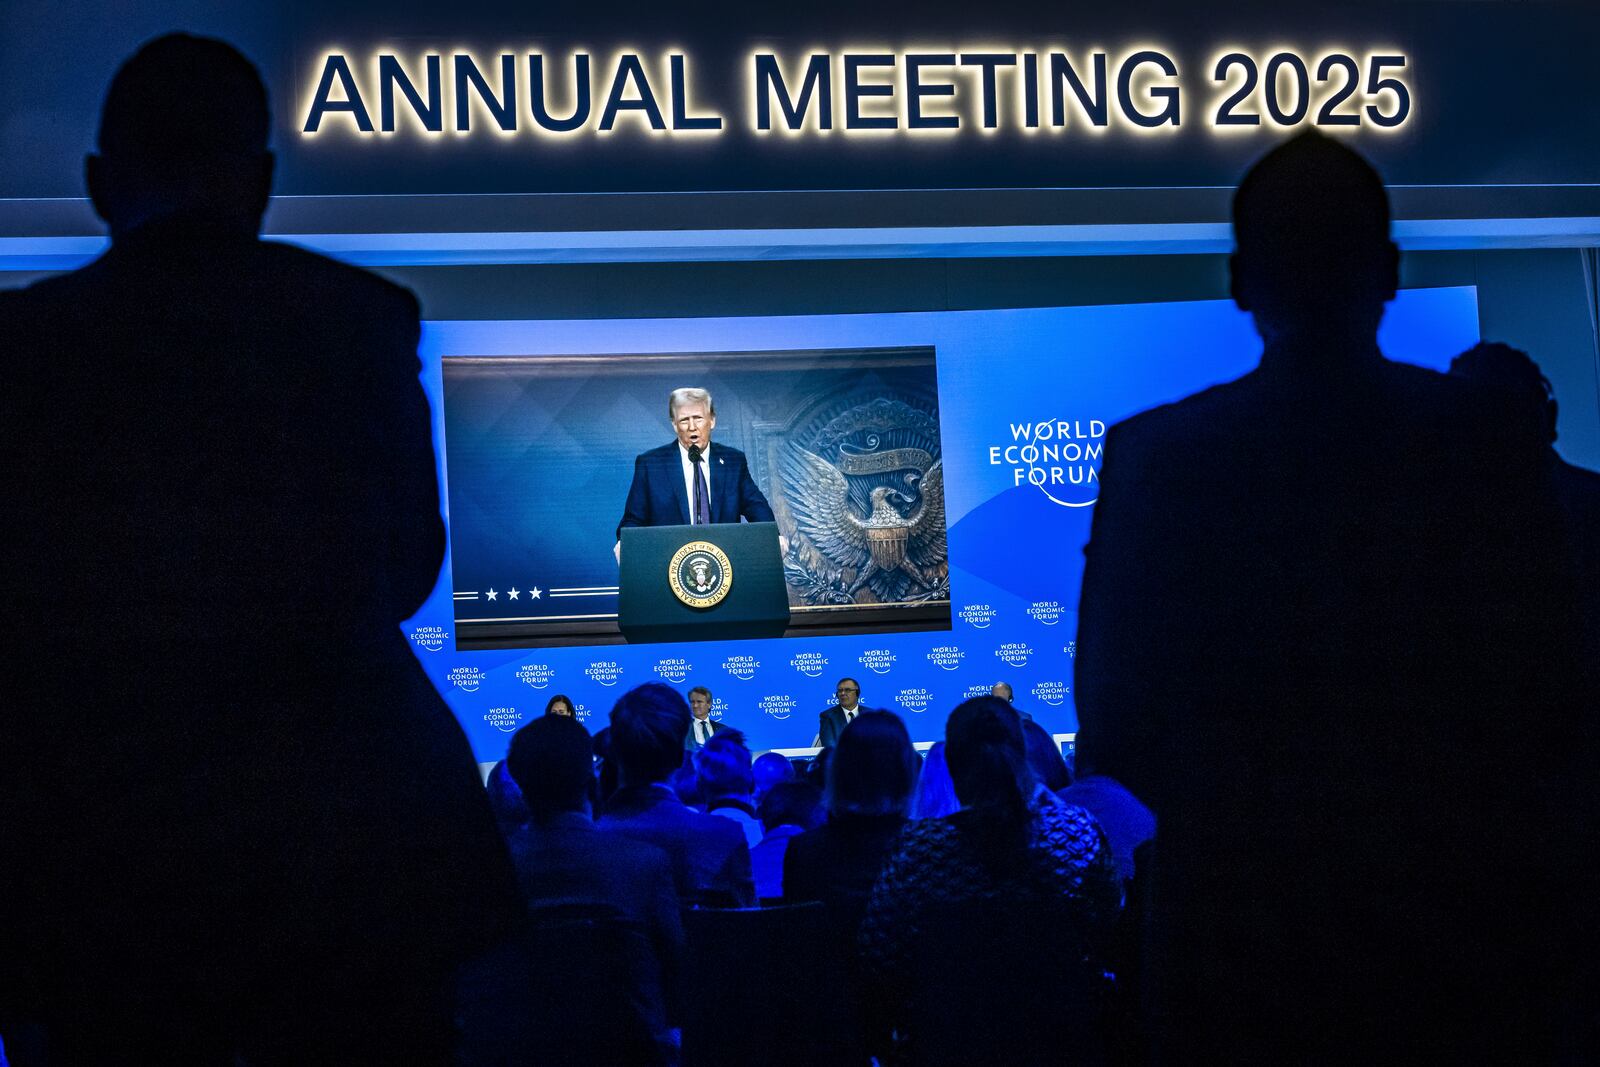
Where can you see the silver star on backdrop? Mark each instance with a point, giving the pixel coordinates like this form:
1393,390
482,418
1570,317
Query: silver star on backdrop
512,594
492,594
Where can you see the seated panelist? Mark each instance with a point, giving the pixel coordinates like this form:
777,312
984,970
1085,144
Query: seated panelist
687,482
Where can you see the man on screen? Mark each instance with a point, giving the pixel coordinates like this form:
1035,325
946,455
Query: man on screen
686,482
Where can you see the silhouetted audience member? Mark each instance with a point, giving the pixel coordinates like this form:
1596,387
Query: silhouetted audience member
1121,816
1009,851
561,858
936,793
246,823
1323,606
605,769
871,779
723,770
685,784
505,800
769,769
788,809
1044,756
1518,376
710,859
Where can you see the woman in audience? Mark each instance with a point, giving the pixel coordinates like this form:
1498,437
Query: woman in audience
936,795
987,910
1044,756
870,779
560,704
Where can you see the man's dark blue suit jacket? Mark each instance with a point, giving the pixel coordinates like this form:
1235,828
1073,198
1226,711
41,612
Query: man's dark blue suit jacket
657,496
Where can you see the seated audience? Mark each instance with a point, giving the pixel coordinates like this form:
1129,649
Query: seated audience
605,770
560,704
769,769
1044,756
685,783
788,809
962,878
936,794
505,799
871,777
1127,823
722,769
710,859
560,856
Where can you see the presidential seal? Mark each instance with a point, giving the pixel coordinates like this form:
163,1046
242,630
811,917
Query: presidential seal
700,574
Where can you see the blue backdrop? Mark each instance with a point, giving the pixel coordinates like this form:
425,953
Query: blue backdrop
1024,397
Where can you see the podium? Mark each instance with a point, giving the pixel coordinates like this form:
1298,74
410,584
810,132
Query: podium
716,582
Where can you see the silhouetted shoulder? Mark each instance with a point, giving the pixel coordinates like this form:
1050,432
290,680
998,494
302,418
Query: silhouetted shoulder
319,270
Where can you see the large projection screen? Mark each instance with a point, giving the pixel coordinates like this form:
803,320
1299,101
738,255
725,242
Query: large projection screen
995,416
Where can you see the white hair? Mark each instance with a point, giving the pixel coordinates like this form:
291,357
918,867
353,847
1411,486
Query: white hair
679,397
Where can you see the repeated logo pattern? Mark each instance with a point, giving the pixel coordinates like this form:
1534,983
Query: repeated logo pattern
775,691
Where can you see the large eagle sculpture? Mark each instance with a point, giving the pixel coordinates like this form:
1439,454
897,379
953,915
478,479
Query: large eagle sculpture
886,541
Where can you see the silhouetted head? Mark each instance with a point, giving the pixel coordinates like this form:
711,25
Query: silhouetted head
987,756
552,762
648,725
183,134
1045,758
873,770
723,767
1514,372
790,804
769,769
560,704
1312,255
505,799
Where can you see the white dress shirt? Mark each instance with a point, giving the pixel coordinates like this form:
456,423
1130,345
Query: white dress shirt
701,736
688,475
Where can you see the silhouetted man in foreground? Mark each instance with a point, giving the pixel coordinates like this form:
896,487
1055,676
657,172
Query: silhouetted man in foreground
237,819
1326,634
1525,387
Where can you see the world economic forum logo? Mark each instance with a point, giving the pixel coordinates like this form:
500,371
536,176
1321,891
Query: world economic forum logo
536,675
582,712
1013,654
915,701
673,669
975,690
979,615
780,707
430,638
742,667
719,708
1052,693
810,664
466,679
1045,612
946,657
604,671
877,660
1059,457
506,720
